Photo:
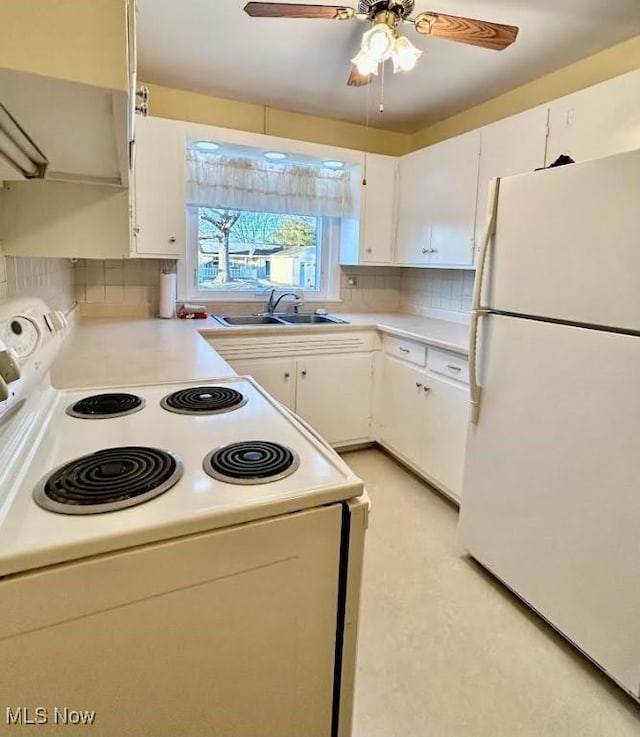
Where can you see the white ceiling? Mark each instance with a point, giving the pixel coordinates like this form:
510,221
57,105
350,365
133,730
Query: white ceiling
213,47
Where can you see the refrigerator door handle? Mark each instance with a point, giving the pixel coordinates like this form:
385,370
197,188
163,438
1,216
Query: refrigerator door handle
477,309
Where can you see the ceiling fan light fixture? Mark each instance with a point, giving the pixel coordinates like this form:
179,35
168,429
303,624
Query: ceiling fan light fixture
405,55
365,63
378,42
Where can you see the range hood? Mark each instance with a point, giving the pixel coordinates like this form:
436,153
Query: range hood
57,130
18,153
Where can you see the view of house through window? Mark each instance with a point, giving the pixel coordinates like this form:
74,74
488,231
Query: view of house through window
244,250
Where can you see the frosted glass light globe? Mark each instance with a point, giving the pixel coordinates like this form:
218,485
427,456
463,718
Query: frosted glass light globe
378,42
366,64
405,55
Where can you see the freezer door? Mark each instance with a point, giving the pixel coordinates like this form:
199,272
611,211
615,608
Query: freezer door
567,244
551,495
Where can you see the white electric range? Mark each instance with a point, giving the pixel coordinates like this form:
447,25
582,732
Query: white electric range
191,536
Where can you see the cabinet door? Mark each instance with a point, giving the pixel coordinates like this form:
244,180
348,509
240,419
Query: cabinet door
511,146
449,199
377,223
414,215
599,121
334,395
400,407
160,230
276,375
445,413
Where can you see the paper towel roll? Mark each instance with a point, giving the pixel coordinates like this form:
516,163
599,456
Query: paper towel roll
167,295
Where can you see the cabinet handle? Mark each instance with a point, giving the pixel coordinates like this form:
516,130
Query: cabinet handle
286,376
453,368
369,250
136,229
426,250
418,384
304,373
433,250
172,239
426,389
404,350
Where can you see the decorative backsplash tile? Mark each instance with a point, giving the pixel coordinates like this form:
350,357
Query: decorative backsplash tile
119,287
48,278
443,293
129,288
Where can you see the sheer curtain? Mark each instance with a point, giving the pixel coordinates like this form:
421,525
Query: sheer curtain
250,184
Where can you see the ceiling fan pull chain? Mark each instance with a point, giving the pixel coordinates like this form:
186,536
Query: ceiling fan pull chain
366,128
381,107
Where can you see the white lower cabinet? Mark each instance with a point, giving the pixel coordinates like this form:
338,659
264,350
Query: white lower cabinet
423,419
334,395
276,375
326,379
400,408
421,396
445,433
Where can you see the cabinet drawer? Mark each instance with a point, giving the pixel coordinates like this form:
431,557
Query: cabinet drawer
408,350
448,364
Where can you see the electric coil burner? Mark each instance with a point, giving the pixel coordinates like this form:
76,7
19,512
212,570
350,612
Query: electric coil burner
108,480
251,462
102,406
203,400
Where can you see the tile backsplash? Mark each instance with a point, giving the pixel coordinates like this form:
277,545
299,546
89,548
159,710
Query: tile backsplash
119,287
50,279
443,293
129,288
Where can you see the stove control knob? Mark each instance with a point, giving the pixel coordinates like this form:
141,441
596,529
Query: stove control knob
56,321
9,370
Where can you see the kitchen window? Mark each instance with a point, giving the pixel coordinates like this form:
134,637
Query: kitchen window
255,224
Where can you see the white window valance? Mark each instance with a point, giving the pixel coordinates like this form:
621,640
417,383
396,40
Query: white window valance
249,184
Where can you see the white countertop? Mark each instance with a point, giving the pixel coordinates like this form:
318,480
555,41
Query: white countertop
116,351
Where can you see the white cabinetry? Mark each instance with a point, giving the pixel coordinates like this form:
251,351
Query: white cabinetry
422,415
159,174
515,145
598,121
326,379
437,204
370,240
377,219
276,375
334,395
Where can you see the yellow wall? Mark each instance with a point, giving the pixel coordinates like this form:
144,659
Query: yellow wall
611,62
77,40
166,102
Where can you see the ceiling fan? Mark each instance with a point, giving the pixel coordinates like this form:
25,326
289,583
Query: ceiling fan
383,41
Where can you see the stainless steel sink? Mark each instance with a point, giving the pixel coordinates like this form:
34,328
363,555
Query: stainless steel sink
247,320
310,319
303,318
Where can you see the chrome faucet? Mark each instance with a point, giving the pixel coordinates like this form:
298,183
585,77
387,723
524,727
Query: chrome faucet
272,303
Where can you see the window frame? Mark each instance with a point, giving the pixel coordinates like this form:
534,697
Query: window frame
330,237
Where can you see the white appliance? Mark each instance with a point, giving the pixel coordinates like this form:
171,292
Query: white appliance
220,596
551,494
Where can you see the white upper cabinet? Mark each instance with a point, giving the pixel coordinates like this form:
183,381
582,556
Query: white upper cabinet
159,174
598,121
369,239
414,230
437,204
377,214
514,145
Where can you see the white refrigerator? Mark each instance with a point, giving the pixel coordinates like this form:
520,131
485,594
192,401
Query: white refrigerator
551,493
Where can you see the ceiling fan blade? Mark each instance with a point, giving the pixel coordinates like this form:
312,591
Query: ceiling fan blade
466,30
293,10
358,80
